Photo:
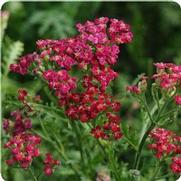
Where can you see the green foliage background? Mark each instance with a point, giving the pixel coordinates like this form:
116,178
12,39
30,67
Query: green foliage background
156,27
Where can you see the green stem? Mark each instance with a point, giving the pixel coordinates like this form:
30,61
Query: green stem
40,176
33,175
113,163
47,138
168,113
156,171
154,92
150,128
163,176
111,157
60,145
145,135
130,142
144,102
47,107
140,147
79,140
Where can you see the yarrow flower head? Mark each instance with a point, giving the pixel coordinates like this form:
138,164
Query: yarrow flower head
23,148
24,63
93,51
166,144
19,125
60,81
23,144
168,75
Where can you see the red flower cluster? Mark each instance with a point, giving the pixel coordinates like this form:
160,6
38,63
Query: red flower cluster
110,128
134,89
169,78
176,165
19,125
98,32
167,143
60,81
23,97
168,75
92,51
49,164
22,144
178,99
22,93
23,148
88,105
24,63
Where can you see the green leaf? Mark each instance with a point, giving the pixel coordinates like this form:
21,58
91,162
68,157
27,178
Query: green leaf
11,52
130,136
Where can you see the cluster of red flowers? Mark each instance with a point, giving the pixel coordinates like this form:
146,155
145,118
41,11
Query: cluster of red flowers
110,127
178,99
92,51
49,164
22,144
166,143
134,89
24,63
60,81
140,88
176,164
169,78
98,32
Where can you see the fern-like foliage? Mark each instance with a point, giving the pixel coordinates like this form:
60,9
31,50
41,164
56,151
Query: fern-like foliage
11,52
55,22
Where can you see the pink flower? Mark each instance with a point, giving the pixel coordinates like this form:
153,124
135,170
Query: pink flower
6,124
60,81
176,165
49,164
168,75
24,63
167,143
27,123
23,149
20,125
178,99
22,93
134,89
48,170
107,54
44,43
176,69
161,65
97,132
119,32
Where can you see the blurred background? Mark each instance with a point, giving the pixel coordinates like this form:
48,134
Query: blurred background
157,37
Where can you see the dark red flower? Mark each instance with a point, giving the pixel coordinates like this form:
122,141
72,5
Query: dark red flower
49,164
